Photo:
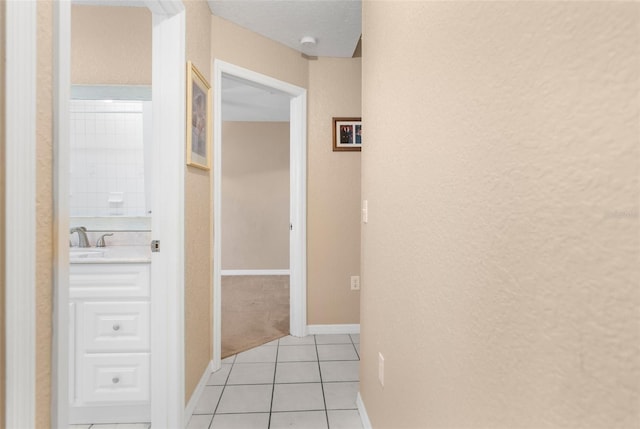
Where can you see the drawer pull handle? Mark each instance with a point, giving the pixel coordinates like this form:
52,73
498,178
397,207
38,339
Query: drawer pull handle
116,327
115,380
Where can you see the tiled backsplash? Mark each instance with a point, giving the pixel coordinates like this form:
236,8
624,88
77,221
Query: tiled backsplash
107,158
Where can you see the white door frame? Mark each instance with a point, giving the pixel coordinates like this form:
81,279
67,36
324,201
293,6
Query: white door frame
20,211
167,268
298,199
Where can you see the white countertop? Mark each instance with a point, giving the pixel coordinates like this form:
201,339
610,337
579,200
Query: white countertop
110,255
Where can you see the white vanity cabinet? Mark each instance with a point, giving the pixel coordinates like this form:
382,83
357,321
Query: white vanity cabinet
109,343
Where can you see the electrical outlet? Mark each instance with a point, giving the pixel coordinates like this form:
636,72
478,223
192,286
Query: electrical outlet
355,282
381,369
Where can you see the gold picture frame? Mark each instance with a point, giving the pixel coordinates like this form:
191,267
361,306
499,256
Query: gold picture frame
198,119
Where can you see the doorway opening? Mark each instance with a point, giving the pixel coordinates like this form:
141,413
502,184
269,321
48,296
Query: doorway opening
292,107
161,370
255,215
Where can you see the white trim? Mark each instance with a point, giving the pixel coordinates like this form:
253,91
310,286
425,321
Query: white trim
197,393
364,417
167,222
333,329
254,272
217,213
298,210
167,304
20,210
111,92
61,123
298,198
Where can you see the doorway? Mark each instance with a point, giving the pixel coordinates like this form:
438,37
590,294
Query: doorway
166,309
297,193
255,215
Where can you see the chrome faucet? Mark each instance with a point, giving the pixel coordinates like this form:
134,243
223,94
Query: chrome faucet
101,242
83,240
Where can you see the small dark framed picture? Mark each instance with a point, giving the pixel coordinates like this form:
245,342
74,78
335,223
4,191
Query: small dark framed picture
347,134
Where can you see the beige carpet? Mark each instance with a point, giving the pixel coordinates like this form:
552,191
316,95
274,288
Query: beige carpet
255,310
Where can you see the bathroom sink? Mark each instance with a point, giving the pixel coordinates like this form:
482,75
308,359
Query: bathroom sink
84,253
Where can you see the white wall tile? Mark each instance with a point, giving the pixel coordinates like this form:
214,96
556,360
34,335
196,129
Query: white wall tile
106,152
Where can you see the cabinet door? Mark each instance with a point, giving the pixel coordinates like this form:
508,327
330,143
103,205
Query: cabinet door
114,327
72,352
115,378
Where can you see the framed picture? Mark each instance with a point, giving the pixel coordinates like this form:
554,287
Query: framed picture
347,134
198,119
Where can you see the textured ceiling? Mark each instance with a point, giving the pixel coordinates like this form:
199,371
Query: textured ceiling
335,24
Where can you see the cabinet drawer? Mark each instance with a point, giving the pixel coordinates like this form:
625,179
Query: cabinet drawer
114,326
108,280
113,378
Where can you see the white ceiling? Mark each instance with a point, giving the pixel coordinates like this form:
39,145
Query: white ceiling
335,24
247,101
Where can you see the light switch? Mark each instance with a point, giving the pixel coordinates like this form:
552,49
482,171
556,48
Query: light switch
365,211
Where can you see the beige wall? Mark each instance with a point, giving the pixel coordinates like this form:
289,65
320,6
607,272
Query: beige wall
236,45
44,210
198,222
333,199
110,45
255,195
500,261
2,203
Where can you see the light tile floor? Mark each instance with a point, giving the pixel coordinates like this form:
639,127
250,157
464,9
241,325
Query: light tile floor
113,426
305,383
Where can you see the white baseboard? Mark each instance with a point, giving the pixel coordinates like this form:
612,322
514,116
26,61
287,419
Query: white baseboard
88,415
197,393
333,329
364,417
254,272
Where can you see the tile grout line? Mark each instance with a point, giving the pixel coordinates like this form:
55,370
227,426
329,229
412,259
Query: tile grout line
354,346
215,410
288,382
324,399
273,386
